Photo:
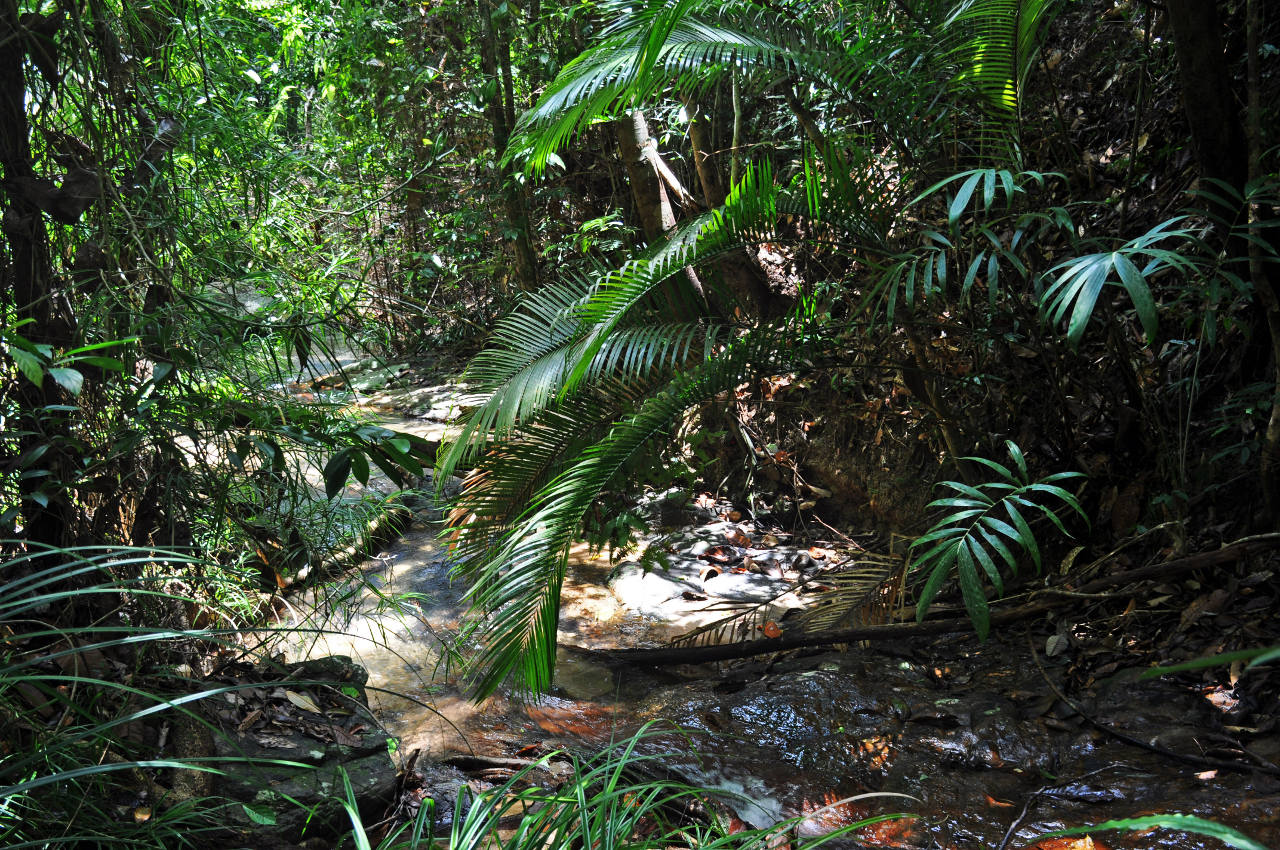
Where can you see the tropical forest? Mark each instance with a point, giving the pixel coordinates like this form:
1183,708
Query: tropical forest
640,424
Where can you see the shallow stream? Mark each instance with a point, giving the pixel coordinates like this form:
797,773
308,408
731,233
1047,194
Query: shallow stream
993,757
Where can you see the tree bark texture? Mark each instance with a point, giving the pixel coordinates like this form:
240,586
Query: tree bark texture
27,279
495,62
649,184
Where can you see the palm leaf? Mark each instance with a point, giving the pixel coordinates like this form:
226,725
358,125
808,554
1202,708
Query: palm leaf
864,590
517,581
965,539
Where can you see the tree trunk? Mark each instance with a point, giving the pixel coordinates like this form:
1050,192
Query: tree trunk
713,188
1207,99
1263,282
1223,153
495,48
740,274
649,191
26,284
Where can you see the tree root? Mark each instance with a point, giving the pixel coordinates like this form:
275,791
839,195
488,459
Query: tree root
897,631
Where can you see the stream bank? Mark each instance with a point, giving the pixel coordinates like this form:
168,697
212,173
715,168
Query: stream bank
1046,726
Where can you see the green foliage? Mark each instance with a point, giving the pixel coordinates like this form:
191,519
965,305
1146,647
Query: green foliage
1179,822
995,43
987,520
70,703
1255,657
610,800
1074,295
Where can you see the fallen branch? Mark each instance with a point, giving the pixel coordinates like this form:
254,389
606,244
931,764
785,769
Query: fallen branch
897,631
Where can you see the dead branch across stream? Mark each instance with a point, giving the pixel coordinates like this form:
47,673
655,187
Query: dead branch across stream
1048,599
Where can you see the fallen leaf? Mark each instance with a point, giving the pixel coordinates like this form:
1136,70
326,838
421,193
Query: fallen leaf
249,719
772,630
1074,842
992,801
769,541
303,702
719,555
1208,603
737,538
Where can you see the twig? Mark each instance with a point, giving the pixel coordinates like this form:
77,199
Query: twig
1198,761
1040,792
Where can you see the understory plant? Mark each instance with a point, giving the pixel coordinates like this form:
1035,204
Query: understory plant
987,531
76,700
622,797
587,381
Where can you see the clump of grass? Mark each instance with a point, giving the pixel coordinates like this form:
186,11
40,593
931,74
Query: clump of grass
622,797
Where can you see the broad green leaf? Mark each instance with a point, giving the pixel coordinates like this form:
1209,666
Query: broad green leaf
1135,283
360,466
997,524
998,467
110,363
973,492
975,601
1001,548
336,472
981,555
259,814
29,364
1018,459
1026,535
963,197
70,380
933,585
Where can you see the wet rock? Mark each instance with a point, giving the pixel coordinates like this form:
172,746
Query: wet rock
274,803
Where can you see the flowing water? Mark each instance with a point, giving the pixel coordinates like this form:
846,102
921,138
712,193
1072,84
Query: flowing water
992,757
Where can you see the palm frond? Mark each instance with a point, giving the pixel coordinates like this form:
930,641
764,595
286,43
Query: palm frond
692,44
863,590
984,521
857,592
518,584
995,44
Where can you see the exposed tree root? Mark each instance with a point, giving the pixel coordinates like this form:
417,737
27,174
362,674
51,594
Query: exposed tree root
1046,600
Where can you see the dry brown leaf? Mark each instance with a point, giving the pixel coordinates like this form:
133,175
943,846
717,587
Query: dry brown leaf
249,719
303,702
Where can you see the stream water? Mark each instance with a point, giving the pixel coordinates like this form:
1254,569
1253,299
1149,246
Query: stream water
991,755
